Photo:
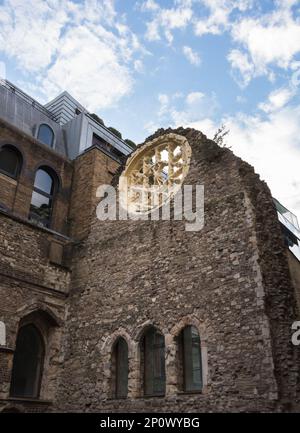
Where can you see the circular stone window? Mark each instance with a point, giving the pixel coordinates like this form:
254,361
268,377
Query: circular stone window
154,173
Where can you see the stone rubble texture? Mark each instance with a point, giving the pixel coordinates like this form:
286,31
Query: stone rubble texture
232,280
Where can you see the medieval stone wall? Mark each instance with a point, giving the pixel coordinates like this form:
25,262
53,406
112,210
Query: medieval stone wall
230,280
31,284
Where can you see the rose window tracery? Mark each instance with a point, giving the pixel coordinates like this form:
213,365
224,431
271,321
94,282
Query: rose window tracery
155,172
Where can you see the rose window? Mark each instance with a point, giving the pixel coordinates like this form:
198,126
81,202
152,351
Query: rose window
154,173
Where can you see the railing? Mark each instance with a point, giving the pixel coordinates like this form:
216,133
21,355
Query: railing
32,102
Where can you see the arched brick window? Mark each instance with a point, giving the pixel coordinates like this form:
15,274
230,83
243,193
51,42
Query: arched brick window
120,368
45,186
190,359
46,135
28,363
10,161
152,349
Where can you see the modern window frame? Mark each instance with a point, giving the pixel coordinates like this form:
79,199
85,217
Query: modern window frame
50,196
52,146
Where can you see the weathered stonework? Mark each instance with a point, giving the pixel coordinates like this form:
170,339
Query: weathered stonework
227,279
230,280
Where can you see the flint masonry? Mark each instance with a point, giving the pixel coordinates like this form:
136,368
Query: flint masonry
138,315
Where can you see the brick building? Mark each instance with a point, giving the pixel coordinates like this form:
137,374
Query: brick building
135,315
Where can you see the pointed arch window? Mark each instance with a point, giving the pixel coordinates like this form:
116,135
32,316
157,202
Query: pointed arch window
42,197
191,359
28,363
153,348
120,368
46,135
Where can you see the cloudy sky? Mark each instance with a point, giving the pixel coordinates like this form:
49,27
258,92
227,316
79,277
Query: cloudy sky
145,64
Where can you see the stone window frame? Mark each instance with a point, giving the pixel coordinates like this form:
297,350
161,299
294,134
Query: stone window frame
37,130
49,325
114,371
40,367
142,360
106,351
135,377
176,366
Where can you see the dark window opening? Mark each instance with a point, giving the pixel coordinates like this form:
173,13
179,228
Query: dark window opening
290,239
153,345
28,363
191,359
77,111
120,368
46,135
10,161
42,198
98,141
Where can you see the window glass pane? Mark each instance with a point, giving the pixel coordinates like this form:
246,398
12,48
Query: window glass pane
121,368
155,380
9,162
192,359
40,208
46,135
43,181
28,362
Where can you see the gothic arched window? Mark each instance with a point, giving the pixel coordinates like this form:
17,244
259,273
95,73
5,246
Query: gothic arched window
120,368
42,196
153,362
10,161
28,363
191,363
46,135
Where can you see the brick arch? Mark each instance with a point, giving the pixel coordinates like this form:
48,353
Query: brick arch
52,169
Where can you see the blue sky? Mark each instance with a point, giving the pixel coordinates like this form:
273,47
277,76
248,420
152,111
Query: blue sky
145,64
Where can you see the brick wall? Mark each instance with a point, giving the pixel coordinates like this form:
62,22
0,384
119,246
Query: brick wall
16,195
91,169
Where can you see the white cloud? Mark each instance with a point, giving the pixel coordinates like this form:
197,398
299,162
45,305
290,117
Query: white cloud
84,48
149,5
165,20
277,99
218,18
271,145
193,57
194,97
271,40
93,73
138,66
242,68
180,110
30,33
268,141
